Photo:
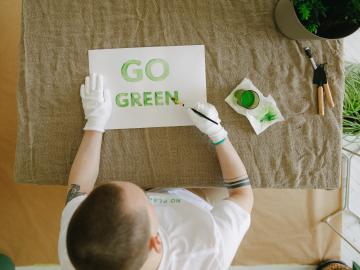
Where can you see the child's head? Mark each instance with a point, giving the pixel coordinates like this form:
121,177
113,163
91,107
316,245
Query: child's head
114,228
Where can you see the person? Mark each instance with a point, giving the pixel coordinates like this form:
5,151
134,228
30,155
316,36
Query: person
119,226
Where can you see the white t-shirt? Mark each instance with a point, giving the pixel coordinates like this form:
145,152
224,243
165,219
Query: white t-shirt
194,234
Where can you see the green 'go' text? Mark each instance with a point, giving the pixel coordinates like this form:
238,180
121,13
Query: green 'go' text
146,98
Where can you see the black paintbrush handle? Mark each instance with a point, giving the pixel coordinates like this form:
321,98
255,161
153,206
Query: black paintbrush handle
204,116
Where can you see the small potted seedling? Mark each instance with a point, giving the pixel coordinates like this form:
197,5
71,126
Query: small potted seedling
336,265
317,19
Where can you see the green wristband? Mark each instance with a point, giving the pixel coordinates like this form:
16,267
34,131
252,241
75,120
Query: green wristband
219,142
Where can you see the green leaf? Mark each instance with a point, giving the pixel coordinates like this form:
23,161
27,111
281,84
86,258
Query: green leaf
356,266
304,11
351,105
313,27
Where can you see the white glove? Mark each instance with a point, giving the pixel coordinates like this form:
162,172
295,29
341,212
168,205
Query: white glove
96,103
216,133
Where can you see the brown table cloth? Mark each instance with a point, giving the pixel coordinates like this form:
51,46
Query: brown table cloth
241,40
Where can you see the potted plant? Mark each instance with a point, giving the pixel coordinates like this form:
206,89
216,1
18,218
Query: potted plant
351,106
336,265
317,19
6,263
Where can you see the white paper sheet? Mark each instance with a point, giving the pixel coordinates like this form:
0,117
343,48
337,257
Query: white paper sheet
186,75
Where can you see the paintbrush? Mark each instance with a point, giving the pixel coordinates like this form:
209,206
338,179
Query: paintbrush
178,102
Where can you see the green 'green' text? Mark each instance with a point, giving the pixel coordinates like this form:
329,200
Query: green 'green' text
146,98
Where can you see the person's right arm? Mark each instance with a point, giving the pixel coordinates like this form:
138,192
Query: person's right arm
233,169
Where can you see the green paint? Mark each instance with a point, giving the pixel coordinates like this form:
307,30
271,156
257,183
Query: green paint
176,101
137,72
135,99
147,98
159,98
270,115
248,99
122,102
149,73
237,94
169,97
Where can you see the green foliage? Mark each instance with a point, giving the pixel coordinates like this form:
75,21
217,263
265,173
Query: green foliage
313,27
304,11
351,107
312,12
353,9
356,266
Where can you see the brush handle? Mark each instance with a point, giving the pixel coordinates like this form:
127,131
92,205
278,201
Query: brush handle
308,52
321,100
313,63
204,116
328,95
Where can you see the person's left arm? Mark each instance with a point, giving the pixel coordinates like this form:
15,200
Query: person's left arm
97,109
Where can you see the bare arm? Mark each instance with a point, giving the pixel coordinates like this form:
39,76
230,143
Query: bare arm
85,168
97,109
233,169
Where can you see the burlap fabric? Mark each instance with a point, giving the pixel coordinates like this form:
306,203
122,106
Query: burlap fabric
241,40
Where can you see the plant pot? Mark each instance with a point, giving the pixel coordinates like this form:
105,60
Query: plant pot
6,263
332,265
289,24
